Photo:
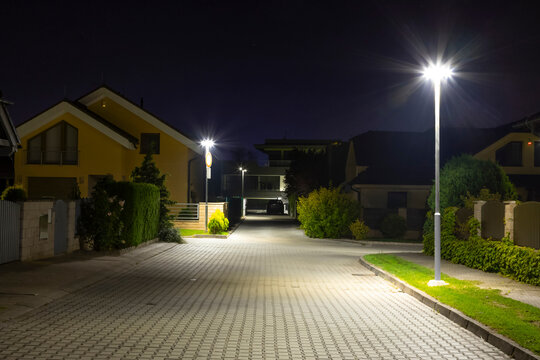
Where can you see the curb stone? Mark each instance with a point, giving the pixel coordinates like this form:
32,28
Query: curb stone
233,229
501,342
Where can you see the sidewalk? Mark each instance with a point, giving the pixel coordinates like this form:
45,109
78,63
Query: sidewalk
25,286
516,290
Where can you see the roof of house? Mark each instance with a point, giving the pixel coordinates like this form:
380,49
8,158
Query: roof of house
407,158
64,106
9,139
105,91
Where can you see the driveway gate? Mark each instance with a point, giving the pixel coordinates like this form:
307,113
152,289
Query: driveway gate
10,218
60,227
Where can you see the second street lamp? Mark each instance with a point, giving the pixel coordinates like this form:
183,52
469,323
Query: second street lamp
436,73
207,144
243,170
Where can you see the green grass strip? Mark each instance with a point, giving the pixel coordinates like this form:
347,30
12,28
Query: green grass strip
191,232
511,318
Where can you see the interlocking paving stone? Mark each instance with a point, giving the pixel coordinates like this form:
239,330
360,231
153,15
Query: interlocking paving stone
266,292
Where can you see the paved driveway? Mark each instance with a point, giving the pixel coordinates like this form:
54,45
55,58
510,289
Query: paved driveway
266,292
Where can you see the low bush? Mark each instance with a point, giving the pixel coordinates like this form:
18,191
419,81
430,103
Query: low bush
393,226
14,193
359,230
520,263
218,222
327,213
170,235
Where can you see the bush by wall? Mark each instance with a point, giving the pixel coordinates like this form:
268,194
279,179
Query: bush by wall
393,226
520,263
120,214
359,230
327,213
14,193
218,222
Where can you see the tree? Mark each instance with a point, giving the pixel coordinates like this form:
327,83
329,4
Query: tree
308,172
149,173
464,176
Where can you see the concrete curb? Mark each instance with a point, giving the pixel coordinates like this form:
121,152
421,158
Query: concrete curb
370,243
126,250
501,342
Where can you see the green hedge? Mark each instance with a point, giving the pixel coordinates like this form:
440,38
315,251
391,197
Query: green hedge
520,263
120,214
140,214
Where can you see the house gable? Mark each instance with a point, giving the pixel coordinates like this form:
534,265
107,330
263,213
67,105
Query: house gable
44,118
103,95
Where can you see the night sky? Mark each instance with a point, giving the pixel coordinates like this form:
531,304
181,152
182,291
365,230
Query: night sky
245,71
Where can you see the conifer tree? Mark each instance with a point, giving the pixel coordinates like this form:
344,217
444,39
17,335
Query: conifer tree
149,173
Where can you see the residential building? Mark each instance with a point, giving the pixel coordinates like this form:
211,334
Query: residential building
393,172
263,183
75,143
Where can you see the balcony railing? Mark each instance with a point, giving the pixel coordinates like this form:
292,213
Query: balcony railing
52,157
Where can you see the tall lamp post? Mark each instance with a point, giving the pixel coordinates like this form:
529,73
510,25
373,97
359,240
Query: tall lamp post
207,144
436,73
243,170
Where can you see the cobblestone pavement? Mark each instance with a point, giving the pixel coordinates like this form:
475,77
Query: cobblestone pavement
267,292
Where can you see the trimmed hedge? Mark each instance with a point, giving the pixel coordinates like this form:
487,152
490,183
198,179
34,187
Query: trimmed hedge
218,222
120,214
520,263
394,226
14,193
140,214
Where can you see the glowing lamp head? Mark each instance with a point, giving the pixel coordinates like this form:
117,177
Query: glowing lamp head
207,143
437,72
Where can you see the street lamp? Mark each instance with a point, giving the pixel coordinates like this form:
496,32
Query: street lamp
436,73
207,144
243,170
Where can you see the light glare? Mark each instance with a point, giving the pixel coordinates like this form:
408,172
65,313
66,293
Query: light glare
437,72
207,143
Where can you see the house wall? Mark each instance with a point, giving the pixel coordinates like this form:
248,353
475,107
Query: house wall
172,159
98,155
528,167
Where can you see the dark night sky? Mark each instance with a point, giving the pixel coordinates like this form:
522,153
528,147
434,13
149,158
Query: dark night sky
269,69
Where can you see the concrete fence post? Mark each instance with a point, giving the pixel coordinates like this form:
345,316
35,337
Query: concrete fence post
509,207
478,213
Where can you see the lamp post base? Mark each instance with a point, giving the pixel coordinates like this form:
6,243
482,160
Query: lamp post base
437,283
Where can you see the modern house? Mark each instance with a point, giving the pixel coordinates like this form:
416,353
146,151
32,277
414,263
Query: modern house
263,183
9,143
393,172
75,143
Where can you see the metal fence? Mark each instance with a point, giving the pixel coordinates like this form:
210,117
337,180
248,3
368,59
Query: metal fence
10,217
184,211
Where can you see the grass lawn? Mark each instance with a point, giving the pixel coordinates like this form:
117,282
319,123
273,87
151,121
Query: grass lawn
516,320
419,241
191,232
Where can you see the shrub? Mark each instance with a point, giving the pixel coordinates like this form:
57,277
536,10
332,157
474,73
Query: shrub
393,226
170,235
464,176
14,193
218,222
327,213
359,230
120,214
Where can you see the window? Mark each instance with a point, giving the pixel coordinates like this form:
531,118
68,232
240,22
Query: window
397,199
56,145
510,154
149,143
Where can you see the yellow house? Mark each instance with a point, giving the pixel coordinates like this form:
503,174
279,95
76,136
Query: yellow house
78,142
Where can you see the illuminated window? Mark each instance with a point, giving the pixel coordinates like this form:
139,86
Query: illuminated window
149,143
510,154
56,145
